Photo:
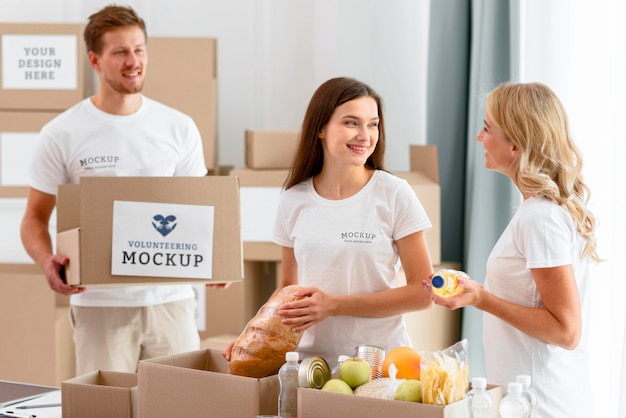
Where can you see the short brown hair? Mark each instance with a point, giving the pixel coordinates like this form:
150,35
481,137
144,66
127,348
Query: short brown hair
109,18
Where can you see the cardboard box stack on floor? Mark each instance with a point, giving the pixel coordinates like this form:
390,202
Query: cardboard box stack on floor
43,72
37,342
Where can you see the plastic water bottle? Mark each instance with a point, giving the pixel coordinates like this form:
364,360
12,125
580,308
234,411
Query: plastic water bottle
478,400
514,405
445,282
529,393
288,377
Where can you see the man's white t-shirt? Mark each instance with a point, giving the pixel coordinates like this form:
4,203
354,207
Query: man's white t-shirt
541,234
157,140
346,247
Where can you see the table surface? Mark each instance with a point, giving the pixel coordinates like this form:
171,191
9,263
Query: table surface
14,395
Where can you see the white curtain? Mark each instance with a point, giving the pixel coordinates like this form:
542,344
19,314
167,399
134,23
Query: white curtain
577,47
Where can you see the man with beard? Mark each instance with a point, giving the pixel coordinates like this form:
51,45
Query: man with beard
116,132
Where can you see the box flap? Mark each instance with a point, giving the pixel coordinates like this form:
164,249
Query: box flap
68,207
68,244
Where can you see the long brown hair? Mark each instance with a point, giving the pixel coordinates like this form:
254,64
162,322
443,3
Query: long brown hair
309,157
107,19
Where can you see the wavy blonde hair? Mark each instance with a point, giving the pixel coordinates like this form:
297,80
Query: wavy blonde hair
533,118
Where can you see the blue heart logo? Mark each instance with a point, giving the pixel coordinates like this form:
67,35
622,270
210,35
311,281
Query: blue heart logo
164,224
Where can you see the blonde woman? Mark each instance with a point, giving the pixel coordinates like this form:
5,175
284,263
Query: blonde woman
536,293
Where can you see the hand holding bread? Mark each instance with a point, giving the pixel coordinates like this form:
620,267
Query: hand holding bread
260,349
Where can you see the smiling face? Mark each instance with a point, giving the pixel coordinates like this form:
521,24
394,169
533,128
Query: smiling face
121,65
500,152
351,134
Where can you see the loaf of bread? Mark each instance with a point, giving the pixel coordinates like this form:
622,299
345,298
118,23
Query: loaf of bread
260,349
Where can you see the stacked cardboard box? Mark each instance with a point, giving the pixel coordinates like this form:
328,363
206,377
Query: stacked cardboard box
43,72
189,85
38,346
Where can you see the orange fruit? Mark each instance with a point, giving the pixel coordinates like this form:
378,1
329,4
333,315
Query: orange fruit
407,361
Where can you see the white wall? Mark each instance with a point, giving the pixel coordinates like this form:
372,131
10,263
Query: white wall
584,70
272,55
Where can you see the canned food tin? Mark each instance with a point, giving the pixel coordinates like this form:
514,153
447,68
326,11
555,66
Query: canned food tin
374,356
313,372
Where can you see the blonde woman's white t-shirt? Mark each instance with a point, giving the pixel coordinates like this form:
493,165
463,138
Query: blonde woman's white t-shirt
157,140
541,234
346,247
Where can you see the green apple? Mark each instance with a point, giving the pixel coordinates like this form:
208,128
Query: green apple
337,385
355,371
409,390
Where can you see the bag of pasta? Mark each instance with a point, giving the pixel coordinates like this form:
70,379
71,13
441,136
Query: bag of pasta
444,374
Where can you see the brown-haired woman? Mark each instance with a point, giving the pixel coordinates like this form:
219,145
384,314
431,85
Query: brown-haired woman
345,225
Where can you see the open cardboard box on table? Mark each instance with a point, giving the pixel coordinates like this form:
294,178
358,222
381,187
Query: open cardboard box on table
100,394
196,385
85,230
315,403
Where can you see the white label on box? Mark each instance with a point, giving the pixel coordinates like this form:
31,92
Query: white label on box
259,207
16,153
162,240
39,62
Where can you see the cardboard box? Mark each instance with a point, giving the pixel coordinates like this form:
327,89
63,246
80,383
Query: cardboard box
38,347
270,149
16,128
196,385
424,178
435,328
194,93
100,394
315,403
85,230
259,202
43,66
